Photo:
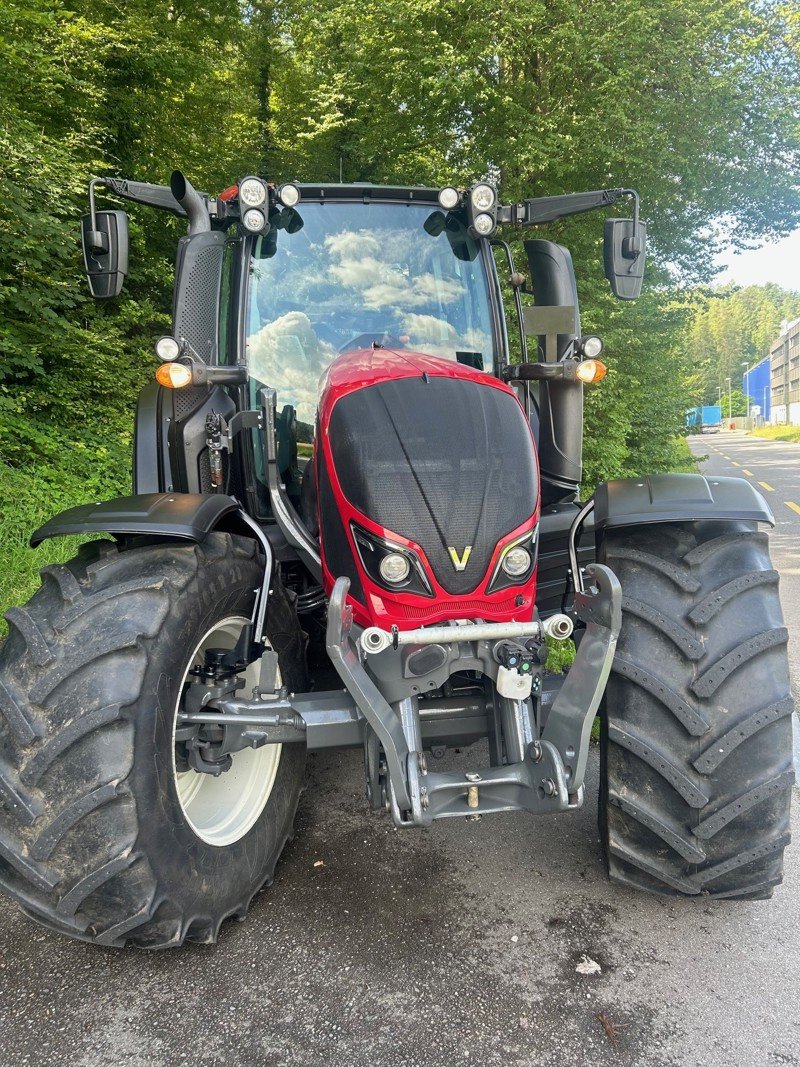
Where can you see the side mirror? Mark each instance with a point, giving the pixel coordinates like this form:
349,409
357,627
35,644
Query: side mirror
624,248
104,236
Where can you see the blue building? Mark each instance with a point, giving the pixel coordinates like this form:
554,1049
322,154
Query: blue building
757,386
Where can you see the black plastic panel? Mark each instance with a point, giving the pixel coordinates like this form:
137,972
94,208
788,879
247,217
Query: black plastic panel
553,565
148,473
190,516
560,402
197,292
677,498
333,536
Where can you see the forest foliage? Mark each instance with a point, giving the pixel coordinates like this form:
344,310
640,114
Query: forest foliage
730,329
692,102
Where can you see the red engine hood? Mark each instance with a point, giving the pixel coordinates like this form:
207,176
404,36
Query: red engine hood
372,603
368,366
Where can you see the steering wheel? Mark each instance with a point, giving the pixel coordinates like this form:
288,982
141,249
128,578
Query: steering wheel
384,339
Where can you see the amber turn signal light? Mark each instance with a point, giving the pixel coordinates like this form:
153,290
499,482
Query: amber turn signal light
591,370
174,375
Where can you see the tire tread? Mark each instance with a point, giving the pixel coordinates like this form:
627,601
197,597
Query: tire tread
696,777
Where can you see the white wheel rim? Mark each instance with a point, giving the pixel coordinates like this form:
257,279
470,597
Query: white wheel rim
222,810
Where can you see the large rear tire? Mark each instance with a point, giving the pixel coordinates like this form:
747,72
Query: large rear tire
696,750
101,834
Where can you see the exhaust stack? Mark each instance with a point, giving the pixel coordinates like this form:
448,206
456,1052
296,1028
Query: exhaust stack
191,201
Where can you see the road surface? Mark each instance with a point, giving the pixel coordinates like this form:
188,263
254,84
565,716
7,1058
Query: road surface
456,945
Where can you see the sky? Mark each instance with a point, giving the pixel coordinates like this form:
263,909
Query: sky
778,262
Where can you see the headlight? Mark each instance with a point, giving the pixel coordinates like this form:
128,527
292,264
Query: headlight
394,568
516,562
448,198
482,197
289,195
483,224
389,565
167,349
253,220
591,346
252,192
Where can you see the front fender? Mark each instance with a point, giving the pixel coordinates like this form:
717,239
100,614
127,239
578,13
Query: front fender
677,498
188,516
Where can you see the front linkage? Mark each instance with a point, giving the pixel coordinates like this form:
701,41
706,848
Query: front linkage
380,709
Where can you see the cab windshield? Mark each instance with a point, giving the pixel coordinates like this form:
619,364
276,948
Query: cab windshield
358,274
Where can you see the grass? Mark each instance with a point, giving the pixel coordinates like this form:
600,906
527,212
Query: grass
686,460
777,433
26,501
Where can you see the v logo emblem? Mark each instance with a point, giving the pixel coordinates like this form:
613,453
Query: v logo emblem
460,562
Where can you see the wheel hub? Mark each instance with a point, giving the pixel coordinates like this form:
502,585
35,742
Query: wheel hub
221,794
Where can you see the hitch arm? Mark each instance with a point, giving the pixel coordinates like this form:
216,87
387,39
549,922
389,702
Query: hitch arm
369,699
569,724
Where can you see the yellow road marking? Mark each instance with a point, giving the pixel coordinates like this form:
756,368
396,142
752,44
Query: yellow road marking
733,461
767,486
794,507
747,472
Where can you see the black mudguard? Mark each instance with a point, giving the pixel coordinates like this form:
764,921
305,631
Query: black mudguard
188,516
677,498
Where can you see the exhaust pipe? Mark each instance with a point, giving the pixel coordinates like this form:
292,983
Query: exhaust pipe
191,201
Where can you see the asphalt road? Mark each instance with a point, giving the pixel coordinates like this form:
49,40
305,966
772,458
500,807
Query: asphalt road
456,945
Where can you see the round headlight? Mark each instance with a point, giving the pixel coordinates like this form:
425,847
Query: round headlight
448,198
484,224
253,220
394,568
289,195
167,349
516,562
252,192
592,346
482,197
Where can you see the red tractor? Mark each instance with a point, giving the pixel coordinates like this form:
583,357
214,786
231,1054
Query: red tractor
355,523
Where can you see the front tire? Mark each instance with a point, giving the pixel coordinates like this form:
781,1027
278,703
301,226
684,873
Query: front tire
696,749
96,839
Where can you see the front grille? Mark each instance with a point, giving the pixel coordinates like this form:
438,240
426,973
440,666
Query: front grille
457,609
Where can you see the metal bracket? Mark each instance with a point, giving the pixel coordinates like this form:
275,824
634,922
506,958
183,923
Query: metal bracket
291,524
569,724
536,785
378,713
242,420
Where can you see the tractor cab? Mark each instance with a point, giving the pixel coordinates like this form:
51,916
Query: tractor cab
354,275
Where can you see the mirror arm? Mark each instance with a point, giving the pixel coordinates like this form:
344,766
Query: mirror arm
632,246
535,211
98,241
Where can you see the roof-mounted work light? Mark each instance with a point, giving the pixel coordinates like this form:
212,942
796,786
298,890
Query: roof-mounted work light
252,193
254,220
482,205
289,195
449,198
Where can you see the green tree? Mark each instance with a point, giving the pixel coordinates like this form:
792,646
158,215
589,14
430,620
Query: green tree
730,327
